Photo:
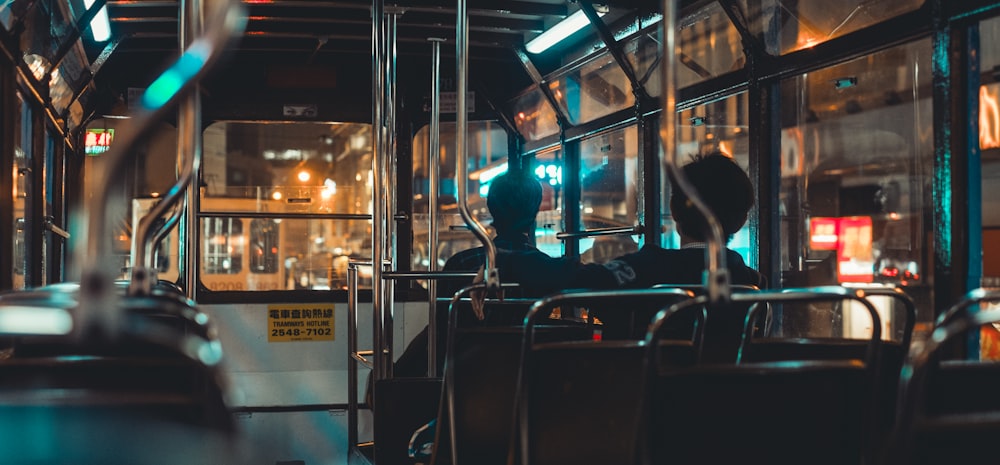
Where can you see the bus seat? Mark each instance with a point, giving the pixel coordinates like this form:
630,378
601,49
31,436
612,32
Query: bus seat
580,401
949,411
888,361
475,420
774,412
768,413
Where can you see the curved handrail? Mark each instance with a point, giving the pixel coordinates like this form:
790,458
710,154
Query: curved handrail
179,79
956,321
811,294
909,306
144,269
961,308
490,273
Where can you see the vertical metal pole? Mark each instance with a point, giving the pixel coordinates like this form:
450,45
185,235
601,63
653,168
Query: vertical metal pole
189,139
462,147
434,174
378,155
716,273
389,189
352,348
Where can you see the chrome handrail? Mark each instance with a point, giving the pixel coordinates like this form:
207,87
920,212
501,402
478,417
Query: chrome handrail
491,273
812,294
617,231
716,278
97,271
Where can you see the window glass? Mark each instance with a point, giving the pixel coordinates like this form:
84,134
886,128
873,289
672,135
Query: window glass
790,25
596,88
534,116
609,183
222,246
710,46
989,145
856,163
548,167
487,146
717,126
259,179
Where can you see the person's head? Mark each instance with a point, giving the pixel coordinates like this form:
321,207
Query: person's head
723,186
513,200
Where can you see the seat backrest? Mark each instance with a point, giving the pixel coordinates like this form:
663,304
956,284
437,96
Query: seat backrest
481,369
948,410
812,411
580,402
773,413
483,378
888,361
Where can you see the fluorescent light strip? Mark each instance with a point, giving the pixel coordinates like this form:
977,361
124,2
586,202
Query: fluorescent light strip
560,31
100,26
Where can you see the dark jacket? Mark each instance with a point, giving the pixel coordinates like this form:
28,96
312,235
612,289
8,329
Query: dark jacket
649,266
539,274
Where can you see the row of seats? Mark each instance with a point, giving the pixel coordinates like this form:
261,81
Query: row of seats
151,391
703,399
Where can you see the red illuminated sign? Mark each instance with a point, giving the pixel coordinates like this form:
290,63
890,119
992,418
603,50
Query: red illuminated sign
823,233
98,141
851,237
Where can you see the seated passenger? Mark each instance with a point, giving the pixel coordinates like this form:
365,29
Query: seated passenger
726,190
513,201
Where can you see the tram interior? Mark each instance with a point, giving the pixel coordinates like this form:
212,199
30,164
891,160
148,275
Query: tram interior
246,323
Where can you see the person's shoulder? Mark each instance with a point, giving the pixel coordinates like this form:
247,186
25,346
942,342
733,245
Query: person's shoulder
469,259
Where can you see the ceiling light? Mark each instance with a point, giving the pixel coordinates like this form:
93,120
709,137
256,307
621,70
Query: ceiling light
560,31
100,27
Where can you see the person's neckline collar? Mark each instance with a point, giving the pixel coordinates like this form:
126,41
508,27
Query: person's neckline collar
694,245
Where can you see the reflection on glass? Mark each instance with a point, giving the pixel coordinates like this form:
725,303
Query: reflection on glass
284,169
609,192
856,153
592,90
989,144
709,47
787,25
534,116
717,126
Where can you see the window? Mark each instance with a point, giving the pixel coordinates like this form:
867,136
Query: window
487,145
717,126
787,25
609,196
222,245
592,90
294,198
534,116
856,158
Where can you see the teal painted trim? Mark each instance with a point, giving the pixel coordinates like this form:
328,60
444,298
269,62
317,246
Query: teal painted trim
942,179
